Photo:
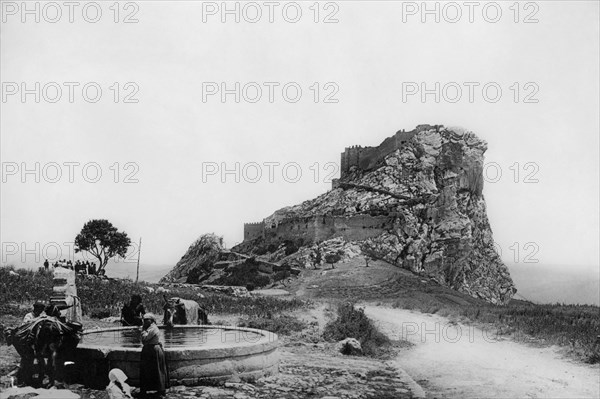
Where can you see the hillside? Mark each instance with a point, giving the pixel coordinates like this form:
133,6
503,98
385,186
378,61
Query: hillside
414,201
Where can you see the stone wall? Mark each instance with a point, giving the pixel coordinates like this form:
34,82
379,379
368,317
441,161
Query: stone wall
253,230
368,158
316,229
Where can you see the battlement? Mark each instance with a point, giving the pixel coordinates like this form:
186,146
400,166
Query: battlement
253,230
254,224
367,158
356,156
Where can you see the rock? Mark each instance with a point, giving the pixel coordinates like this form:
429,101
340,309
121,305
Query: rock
349,346
239,292
178,388
201,255
414,201
214,392
41,393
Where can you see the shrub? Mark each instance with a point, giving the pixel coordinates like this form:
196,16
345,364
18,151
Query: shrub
281,275
593,357
24,285
98,295
99,313
353,323
292,246
244,274
280,325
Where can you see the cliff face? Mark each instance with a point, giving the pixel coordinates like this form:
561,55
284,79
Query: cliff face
419,207
198,259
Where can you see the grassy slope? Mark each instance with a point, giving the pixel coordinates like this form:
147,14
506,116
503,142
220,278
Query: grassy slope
572,326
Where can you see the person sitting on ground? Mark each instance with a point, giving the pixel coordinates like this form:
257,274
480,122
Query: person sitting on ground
38,311
132,313
118,388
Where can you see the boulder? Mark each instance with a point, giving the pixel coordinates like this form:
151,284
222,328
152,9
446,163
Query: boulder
349,346
239,292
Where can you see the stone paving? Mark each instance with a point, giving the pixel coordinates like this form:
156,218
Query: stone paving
306,371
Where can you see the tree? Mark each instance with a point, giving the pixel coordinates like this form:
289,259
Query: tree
101,239
368,250
332,258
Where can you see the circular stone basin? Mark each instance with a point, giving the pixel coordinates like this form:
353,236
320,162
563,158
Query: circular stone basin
195,354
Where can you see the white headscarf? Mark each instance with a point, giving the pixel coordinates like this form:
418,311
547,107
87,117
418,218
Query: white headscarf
118,388
117,374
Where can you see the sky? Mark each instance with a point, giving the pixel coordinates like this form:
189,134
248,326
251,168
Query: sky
172,119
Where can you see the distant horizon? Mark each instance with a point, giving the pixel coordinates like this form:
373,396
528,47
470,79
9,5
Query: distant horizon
562,284
164,264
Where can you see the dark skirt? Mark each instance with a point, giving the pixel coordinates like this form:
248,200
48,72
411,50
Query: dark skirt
154,375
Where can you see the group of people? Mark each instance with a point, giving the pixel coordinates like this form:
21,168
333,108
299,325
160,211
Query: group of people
40,309
153,366
154,374
79,266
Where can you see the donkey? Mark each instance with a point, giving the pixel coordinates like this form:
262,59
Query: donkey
44,338
183,311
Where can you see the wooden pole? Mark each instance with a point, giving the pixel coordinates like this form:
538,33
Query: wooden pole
137,274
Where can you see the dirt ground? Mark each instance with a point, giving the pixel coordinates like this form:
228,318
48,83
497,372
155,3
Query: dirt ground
453,360
308,367
447,359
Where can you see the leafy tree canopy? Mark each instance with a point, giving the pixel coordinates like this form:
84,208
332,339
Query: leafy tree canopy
102,240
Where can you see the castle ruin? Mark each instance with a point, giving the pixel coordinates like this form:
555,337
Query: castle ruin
253,230
357,227
369,158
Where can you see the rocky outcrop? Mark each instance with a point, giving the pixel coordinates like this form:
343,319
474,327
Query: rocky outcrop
200,258
419,207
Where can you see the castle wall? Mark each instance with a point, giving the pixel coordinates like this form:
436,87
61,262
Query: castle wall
253,230
361,227
368,158
357,227
320,228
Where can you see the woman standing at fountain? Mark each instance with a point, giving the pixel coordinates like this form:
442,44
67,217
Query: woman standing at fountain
153,368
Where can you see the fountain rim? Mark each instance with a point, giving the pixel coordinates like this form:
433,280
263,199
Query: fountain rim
216,351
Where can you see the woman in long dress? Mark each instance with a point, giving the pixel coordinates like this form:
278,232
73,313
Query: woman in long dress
153,368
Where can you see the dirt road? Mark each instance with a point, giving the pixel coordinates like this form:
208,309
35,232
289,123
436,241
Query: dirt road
456,361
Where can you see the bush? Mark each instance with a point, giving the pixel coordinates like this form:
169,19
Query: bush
292,246
103,298
353,323
99,313
244,275
280,325
282,275
24,285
